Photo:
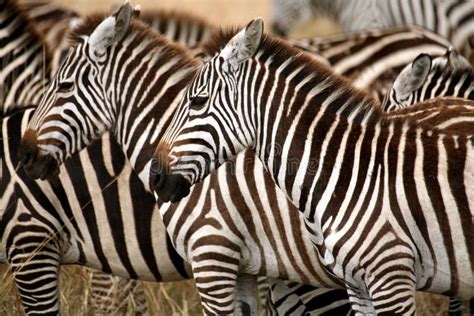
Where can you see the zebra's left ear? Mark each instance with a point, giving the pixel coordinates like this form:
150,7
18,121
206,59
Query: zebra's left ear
413,76
110,31
244,44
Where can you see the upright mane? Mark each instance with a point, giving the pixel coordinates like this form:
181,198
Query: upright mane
281,52
137,27
179,17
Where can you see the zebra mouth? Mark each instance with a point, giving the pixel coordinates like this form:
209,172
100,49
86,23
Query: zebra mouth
36,165
169,187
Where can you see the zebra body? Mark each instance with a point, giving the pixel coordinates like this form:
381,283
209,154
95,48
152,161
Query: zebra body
372,59
230,248
367,215
451,19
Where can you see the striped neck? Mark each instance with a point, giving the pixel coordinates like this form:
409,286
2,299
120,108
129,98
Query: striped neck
307,119
144,92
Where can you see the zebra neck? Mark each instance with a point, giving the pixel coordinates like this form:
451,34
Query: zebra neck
139,127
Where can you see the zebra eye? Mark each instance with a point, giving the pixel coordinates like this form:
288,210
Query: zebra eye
199,101
65,86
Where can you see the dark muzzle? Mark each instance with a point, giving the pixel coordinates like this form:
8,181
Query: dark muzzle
169,187
36,165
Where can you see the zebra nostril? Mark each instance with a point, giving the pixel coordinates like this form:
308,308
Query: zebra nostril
26,156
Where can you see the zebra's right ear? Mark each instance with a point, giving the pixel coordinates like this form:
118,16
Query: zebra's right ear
413,76
244,44
110,31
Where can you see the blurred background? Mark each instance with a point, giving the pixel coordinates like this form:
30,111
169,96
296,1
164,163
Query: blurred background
216,11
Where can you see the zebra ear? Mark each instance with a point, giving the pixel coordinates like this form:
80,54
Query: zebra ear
457,61
110,31
413,76
244,44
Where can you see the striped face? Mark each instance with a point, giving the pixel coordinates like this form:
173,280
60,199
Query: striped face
209,126
76,109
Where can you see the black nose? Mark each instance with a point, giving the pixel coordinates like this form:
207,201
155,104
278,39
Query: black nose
168,187
37,166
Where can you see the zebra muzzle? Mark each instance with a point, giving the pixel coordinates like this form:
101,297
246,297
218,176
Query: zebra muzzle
37,166
169,187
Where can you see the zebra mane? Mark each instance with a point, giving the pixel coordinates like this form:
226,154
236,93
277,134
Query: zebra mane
282,51
180,17
454,73
171,49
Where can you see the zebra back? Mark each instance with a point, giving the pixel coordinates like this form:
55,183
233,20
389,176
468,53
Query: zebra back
373,59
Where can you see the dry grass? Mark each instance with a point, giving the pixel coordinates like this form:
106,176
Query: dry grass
178,298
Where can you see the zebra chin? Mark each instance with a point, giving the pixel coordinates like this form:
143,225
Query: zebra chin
36,164
169,187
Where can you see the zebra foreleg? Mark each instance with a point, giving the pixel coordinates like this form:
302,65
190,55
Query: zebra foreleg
246,296
35,267
361,303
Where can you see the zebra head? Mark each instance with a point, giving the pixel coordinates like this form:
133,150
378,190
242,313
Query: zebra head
208,127
65,122
427,78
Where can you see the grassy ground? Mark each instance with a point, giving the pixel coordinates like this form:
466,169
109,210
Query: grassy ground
179,298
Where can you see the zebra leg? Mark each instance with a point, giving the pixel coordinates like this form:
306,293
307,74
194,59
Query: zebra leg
263,288
392,288
246,296
458,307
216,286
361,303
34,263
109,294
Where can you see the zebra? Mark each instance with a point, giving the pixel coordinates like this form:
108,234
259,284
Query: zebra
451,19
372,59
33,15
426,78
78,201
20,46
70,86
54,22
327,147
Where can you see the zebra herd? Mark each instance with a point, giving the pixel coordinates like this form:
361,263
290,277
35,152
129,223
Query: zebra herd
298,174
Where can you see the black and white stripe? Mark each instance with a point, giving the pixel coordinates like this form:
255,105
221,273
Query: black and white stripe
426,78
452,19
369,186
